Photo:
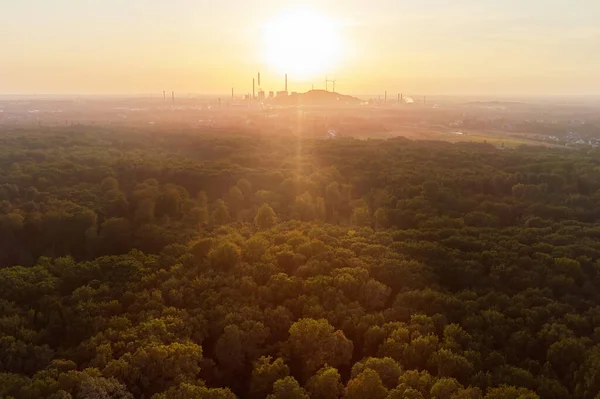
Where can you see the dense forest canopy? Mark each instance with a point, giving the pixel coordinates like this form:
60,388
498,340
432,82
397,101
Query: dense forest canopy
167,266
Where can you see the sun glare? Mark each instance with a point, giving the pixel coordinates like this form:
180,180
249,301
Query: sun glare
302,42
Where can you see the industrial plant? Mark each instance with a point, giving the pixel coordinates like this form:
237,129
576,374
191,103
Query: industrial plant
259,97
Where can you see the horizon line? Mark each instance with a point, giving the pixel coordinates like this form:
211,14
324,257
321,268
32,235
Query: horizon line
391,98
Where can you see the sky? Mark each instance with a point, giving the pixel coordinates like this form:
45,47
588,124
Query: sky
478,47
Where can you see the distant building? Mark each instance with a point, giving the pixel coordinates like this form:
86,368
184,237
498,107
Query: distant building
271,94
282,93
261,95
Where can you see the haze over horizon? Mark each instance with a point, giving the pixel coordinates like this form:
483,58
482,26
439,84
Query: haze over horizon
433,46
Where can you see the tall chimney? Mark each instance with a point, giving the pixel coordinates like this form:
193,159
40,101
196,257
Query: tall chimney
286,83
259,79
398,98
173,96
164,95
385,98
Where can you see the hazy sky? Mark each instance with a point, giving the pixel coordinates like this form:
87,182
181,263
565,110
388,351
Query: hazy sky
208,46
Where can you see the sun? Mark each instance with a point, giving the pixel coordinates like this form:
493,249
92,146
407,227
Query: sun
302,42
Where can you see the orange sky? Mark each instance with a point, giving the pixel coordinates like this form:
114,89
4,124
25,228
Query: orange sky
430,46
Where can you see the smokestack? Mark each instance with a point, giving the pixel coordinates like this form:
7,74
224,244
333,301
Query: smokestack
164,95
385,98
398,98
286,83
401,97
173,96
253,89
259,79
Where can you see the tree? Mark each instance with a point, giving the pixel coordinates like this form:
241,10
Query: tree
12,385
468,393
264,374
145,212
361,217
245,186
201,248
220,214
303,208
387,368
235,199
552,389
202,199
190,391
109,184
456,338
288,388
374,294
60,380
566,355
265,217
510,392
198,216
224,255
155,368
229,350
170,201
26,285
422,350
315,343
381,218
588,376
92,385
255,248
366,385
450,364
404,392
118,206
421,381
445,388
326,384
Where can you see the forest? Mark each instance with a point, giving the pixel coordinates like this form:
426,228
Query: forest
170,265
